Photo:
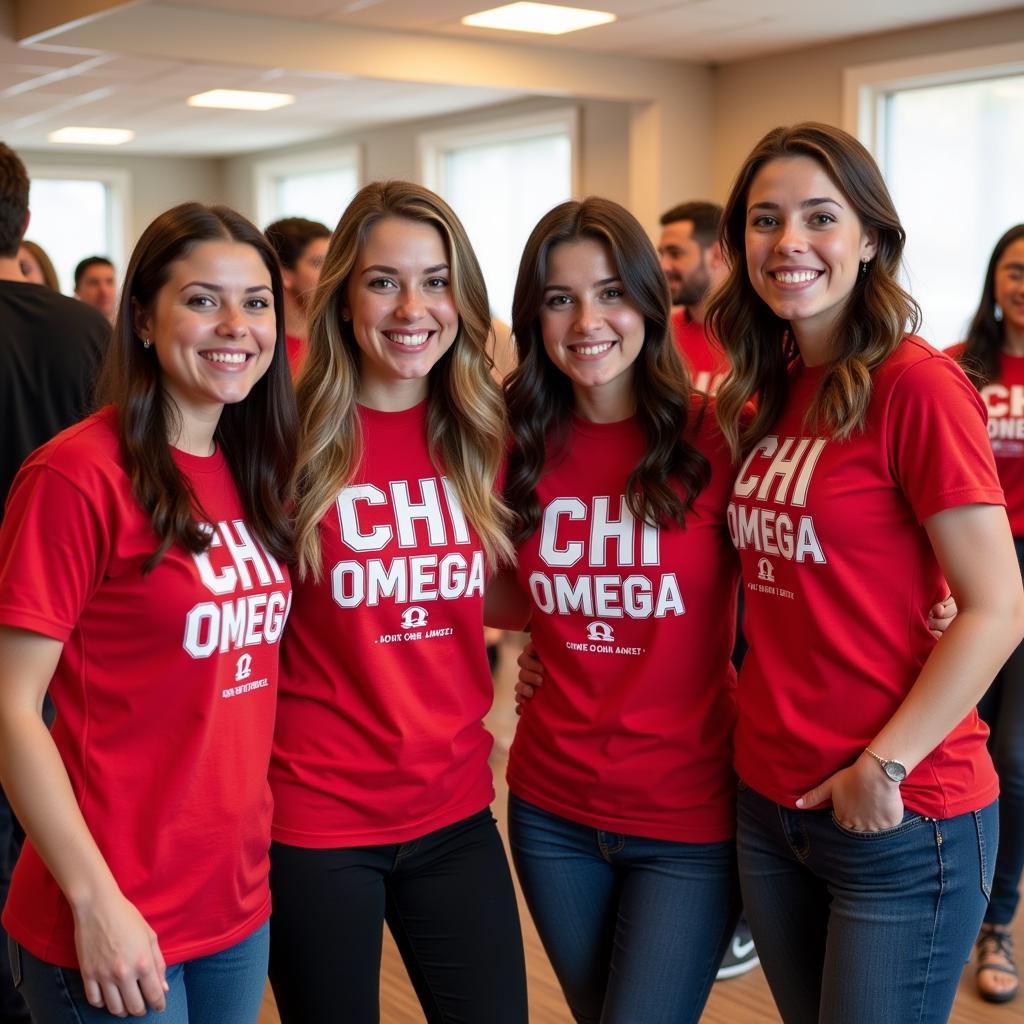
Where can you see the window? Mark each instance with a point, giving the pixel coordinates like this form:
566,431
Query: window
79,212
950,141
500,179
317,186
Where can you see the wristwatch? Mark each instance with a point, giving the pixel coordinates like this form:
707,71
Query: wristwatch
895,770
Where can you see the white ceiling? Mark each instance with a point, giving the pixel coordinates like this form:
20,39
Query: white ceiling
706,31
47,86
42,89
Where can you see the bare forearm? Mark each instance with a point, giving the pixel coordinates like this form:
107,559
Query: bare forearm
953,679
38,787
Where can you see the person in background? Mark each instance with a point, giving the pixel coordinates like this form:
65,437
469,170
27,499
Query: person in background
691,259
95,285
36,265
142,582
300,245
380,770
867,801
993,356
51,348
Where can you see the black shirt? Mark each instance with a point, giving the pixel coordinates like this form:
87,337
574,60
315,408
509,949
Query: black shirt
51,348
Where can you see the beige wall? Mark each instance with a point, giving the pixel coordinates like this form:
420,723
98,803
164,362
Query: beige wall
752,96
390,152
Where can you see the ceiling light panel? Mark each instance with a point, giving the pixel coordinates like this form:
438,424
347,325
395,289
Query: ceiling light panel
79,135
240,99
546,19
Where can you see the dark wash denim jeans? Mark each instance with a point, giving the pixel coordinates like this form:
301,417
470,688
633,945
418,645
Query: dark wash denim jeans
635,928
863,926
223,988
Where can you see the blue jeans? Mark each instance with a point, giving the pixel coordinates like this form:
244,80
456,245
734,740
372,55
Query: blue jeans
635,928
223,988
863,926
1002,709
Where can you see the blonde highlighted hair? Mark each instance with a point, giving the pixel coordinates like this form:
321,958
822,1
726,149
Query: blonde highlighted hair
874,319
466,424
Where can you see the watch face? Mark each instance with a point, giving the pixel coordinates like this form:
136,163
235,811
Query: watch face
895,771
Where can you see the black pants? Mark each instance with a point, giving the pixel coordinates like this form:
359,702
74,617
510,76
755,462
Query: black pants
449,902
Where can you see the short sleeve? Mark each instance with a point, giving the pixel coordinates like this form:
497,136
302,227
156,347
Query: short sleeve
52,552
938,442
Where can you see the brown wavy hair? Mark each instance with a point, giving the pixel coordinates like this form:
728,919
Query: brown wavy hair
540,397
257,435
876,316
466,424
985,339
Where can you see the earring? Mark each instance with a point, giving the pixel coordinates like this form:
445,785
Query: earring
346,317
146,343
997,313
864,264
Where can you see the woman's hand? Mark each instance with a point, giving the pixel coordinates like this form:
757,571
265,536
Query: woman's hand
941,615
531,676
119,958
863,798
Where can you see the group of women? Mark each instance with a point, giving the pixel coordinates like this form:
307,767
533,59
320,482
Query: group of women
148,558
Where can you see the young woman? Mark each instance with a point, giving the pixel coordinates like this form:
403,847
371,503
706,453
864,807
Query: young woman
141,582
36,265
622,799
380,773
994,358
300,245
866,479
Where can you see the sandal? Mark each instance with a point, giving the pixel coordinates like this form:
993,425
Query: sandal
994,952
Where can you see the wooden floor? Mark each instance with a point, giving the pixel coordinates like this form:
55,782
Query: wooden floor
744,1000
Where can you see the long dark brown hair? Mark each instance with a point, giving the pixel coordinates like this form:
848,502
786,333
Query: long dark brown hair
540,396
257,435
985,339
873,321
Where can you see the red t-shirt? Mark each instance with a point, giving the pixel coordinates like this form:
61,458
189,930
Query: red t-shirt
297,349
165,692
631,731
1004,399
384,675
839,575
703,356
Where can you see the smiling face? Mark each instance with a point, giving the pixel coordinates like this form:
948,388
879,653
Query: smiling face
1009,287
402,309
592,331
804,247
213,327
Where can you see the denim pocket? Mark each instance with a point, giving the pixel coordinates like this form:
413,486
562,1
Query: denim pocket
910,820
14,954
986,851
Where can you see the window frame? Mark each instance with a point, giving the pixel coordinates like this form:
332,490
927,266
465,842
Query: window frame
431,146
866,87
266,172
118,183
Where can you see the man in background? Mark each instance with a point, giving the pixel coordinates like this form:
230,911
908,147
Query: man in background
50,351
95,285
691,260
